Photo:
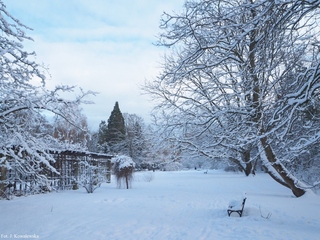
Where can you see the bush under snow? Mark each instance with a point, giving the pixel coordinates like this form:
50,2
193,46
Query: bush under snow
123,168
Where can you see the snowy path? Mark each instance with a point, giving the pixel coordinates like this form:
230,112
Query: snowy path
175,205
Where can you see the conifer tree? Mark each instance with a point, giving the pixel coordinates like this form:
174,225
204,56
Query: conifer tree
116,131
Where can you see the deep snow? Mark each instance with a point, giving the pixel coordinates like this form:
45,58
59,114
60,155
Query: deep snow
173,205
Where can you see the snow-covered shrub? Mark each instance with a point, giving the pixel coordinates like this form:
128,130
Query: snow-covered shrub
123,168
91,178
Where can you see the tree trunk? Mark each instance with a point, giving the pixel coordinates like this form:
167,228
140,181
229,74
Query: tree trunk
246,158
248,165
271,160
269,157
276,177
127,182
3,177
248,168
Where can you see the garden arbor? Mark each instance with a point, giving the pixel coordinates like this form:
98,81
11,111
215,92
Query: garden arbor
69,169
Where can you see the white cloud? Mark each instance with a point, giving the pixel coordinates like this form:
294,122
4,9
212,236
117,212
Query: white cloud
98,45
114,70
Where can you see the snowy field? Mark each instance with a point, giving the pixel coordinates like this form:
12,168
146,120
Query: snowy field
173,205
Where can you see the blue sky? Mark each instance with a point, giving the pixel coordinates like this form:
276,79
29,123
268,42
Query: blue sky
100,45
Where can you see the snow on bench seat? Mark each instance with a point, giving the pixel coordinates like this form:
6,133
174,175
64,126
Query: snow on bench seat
236,206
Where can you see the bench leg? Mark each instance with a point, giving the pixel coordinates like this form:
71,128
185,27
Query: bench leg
237,211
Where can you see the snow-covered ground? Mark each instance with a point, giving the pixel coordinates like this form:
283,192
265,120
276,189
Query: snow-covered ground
174,205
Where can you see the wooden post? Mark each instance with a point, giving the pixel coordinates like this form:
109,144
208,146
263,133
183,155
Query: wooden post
108,170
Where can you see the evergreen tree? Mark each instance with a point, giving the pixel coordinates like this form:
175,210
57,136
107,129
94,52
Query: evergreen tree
116,131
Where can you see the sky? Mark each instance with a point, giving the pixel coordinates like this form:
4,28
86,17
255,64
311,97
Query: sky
105,46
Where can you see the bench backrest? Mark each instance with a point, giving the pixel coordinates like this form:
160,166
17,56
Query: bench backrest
244,201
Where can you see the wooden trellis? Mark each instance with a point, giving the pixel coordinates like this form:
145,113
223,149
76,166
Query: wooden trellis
70,167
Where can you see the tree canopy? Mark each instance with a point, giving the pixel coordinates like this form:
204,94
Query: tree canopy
235,82
24,100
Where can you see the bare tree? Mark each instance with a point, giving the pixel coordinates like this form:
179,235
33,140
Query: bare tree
220,92
23,102
136,138
72,133
297,113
